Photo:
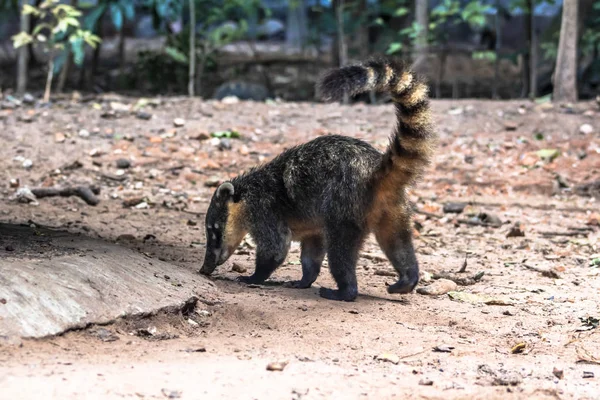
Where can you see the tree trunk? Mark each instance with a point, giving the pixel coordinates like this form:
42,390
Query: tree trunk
565,74
363,30
122,58
66,69
49,77
341,39
297,24
440,77
421,44
192,56
527,54
23,60
498,45
91,74
533,51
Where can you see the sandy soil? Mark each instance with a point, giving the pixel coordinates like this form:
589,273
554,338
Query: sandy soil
520,335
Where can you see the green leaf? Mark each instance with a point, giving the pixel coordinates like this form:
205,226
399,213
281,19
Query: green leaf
60,60
21,39
401,12
378,21
548,154
229,134
176,55
77,43
90,20
128,8
27,9
595,262
544,99
116,16
394,48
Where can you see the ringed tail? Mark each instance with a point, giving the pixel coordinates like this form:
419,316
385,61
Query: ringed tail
414,138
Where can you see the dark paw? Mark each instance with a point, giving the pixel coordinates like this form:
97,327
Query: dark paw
403,286
249,280
338,295
299,284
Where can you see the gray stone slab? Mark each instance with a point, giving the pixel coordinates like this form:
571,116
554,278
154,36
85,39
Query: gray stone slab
51,282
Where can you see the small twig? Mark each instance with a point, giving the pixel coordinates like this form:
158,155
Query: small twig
477,223
459,280
548,273
464,266
116,178
550,234
428,214
86,193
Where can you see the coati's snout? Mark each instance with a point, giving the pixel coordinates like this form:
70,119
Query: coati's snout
225,227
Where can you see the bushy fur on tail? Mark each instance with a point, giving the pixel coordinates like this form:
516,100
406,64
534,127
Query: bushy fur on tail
414,138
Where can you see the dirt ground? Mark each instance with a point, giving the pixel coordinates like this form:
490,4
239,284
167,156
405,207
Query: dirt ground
526,329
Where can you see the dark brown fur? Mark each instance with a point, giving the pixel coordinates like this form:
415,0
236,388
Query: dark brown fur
331,192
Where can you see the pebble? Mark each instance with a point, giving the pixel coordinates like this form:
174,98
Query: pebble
426,382
443,348
132,201
588,374
95,153
123,163
27,164
586,129
439,287
244,150
24,195
238,268
59,137
215,141
224,144
212,181
559,373
230,100
277,366
84,133
178,122
28,99
143,115
14,183
454,208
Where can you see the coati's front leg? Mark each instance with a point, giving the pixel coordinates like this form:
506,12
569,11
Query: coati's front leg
394,235
343,244
272,240
311,257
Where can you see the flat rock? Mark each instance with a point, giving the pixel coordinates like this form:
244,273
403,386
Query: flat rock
55,281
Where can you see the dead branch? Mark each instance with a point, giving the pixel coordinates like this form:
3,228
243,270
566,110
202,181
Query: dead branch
86,193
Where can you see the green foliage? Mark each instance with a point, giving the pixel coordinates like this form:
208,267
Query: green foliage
448,12
9,5
484,55
119,11
229,134
58,29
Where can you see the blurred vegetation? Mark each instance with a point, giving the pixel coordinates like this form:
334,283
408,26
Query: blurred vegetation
379,26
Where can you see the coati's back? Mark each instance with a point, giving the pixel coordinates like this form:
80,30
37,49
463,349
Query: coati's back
331,192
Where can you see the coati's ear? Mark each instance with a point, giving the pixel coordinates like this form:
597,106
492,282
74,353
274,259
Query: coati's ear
225,191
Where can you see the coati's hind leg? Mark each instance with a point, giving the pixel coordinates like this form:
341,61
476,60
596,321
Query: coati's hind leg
343,244
394,235
272,245
313,252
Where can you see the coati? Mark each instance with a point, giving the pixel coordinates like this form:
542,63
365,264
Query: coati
330,192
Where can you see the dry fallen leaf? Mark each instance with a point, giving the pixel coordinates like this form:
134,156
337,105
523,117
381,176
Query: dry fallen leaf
277,366
518,348
583,355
